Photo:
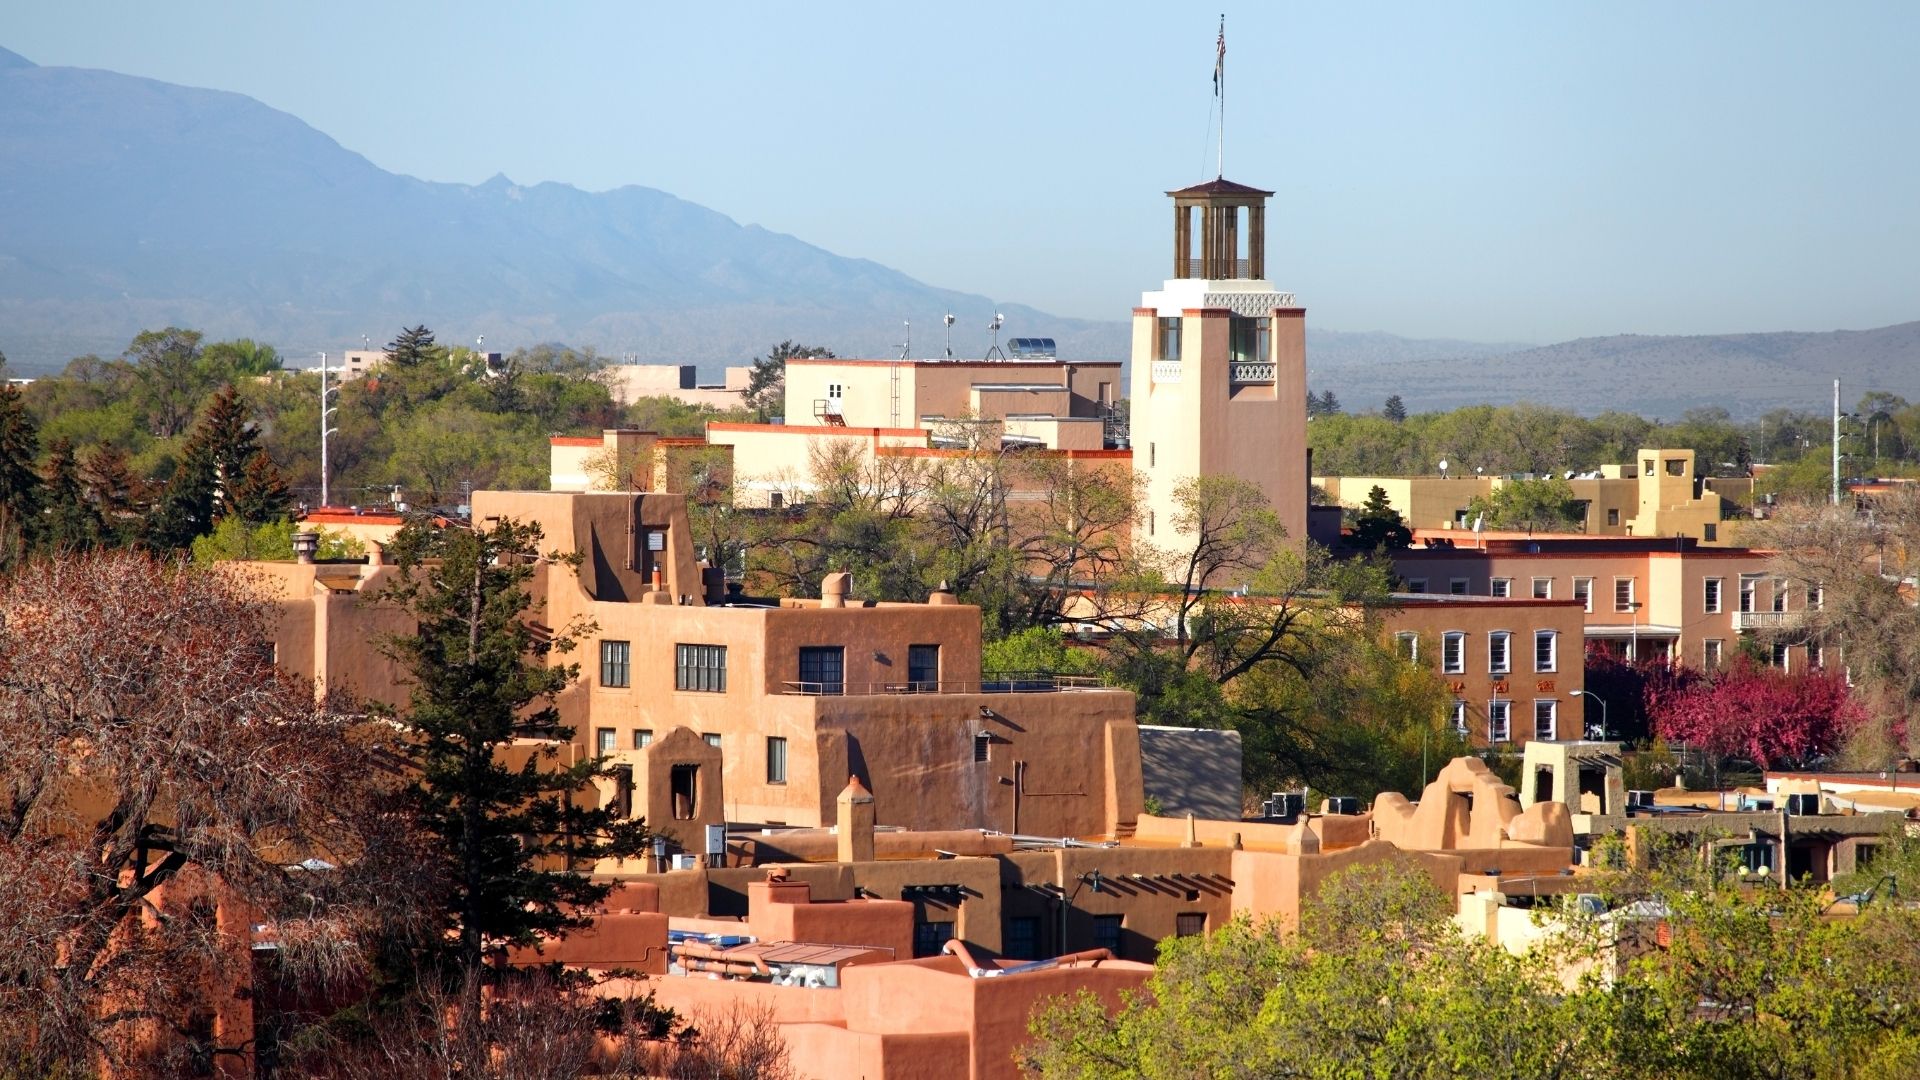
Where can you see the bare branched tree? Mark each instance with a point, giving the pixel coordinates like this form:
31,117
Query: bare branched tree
163,788
1859,566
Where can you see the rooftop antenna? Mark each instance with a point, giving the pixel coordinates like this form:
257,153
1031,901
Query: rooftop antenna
906,347
948,319
998,320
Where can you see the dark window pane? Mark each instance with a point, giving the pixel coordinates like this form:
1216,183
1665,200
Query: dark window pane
823,669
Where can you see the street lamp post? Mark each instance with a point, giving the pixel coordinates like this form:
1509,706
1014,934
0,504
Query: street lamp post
1603,708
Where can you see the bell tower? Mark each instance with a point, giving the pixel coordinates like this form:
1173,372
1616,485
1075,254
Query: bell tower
1219,365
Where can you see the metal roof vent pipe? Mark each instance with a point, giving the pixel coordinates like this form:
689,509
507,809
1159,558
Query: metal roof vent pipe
306,545
834,588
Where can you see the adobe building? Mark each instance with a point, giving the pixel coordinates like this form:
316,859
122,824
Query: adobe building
629,383
1659,493
794,695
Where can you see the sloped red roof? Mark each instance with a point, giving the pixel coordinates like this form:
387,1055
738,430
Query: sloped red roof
1220,186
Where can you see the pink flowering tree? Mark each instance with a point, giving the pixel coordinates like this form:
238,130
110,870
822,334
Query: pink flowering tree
1765,715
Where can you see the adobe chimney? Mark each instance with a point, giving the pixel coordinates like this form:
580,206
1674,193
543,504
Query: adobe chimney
834,589
853,828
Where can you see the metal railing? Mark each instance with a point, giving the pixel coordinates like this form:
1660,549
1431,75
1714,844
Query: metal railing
992,682
1166,371
1239,268
1765,620
1251,373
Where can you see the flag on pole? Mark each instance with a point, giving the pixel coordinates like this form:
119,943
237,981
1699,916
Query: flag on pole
1220,57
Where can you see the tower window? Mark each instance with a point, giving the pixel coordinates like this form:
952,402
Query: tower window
1169,340
1250,339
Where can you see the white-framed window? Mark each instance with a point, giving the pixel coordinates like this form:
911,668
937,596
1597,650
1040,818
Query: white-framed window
1546,650
1546,719
1409,643
1711,653
1457,586
1499,652
1780,656
642,738
1816,597
1749,587
1779,594
604,740
1500,586
1459,716
1710,594
1417,585
1583,592
713,739
1543,588
834,390
1499,721
1453,652
1623,594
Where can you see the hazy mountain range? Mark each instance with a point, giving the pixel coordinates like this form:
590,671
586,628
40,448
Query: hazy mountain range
128,203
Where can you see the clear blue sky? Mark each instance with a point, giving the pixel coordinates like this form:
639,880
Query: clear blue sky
1523,171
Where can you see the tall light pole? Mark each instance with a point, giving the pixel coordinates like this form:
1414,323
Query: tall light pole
327,410
1836,442
1603,708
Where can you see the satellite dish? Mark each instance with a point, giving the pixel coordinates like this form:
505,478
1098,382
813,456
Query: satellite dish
1443,466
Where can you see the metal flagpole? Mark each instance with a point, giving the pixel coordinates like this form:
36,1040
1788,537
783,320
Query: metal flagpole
1220,91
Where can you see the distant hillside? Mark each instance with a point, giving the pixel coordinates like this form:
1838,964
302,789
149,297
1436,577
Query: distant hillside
1747,374
128,203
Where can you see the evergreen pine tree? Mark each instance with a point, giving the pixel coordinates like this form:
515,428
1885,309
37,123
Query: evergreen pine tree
1329,404
20,487
118,494
260,495
1395,410
413,347
1378,525
71,521
508,839
185,509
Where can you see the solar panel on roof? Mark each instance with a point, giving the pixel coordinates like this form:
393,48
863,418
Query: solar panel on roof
1025,347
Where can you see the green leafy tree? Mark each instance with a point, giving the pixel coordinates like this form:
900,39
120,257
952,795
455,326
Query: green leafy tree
236,540
1545,505
510,837
1395,409
1378,526
767,383
171,378
242,356
1376,983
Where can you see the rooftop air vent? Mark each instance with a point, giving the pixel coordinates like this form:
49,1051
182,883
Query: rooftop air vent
1031,348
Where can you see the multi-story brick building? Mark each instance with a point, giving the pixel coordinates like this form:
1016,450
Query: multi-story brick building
1671,595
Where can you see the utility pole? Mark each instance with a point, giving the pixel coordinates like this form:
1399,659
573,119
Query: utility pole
326,411
1836,442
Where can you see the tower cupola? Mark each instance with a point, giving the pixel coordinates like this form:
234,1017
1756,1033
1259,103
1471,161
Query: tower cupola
1233,231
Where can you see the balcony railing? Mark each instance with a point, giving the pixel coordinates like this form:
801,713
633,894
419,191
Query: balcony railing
1240,268
992,682
1166,371
1251,373
1765,620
